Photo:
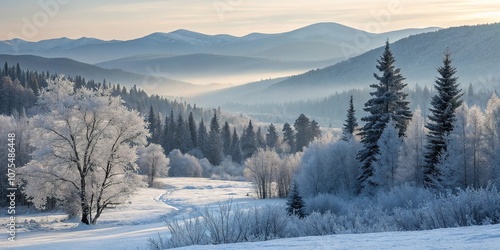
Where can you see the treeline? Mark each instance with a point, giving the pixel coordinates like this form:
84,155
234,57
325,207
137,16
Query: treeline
215,142
331,109
19,89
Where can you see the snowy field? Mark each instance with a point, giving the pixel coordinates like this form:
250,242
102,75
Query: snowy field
130,225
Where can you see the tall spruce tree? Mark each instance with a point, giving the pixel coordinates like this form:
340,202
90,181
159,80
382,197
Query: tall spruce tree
152,123
214,145
236,147
303,136
226,139
172,127
248,142
272,136
351,122
441,118
315,131
202,137
289,136
259,139
154,126
192,130
388,102
166,143
180,135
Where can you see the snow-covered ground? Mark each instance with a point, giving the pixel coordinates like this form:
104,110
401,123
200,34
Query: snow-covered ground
477,237
130,225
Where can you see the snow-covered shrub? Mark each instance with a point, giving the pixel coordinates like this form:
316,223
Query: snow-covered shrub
261,169
184,232
317,224
468,207
329,167
183,165
402,196
228,223
206,167
269,223
227,170
323,203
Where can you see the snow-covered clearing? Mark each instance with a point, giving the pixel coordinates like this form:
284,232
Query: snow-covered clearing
129,226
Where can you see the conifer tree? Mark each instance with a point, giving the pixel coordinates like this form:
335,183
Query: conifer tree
248,142
272,136
202,137
236,147
226,139
173,128
441,118
214,146
315,131
295,203
192,129
153,130
259,139
180,139
388,102
303,127
289,136
351,122
166,143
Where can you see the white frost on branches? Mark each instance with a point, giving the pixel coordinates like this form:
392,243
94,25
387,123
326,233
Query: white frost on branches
85,150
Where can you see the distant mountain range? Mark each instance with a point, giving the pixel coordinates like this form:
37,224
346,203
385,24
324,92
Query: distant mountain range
69,67
475,51
317,42
199,58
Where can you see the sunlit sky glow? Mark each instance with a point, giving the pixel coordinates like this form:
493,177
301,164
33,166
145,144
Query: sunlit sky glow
127,19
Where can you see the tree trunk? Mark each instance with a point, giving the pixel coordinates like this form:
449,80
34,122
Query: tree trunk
83,200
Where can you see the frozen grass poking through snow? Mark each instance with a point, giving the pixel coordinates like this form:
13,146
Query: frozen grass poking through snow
388,211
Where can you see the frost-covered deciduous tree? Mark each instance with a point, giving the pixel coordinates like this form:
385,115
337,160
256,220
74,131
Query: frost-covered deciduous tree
84,150
453,166
285,173
329,167
261,169
386,161
7,125
475,125
411,158
491,133
152,162
465,163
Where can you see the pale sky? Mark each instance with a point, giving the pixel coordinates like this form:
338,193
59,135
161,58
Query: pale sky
127,19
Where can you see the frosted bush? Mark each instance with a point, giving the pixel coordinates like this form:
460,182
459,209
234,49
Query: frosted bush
411,208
